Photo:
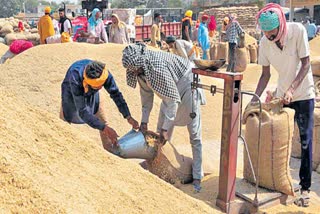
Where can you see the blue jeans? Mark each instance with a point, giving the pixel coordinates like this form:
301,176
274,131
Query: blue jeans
304,118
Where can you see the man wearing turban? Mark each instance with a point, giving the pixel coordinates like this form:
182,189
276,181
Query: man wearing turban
285,46
45,26
81,100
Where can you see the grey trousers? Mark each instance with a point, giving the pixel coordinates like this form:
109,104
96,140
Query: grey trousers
232,57
194,129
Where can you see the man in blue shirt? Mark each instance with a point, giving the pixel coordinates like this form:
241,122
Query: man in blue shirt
312,30
203,37
80,97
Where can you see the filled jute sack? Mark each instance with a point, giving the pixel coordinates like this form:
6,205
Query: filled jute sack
6,29
241,60
253,54
34,30
317,90
315,66
213,52
222,50
171,166
10,38
296,146
277,126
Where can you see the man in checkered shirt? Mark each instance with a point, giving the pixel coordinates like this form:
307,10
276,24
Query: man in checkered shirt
233,31
169,77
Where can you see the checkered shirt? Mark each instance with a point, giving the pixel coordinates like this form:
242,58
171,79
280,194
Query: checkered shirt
162,70
233,32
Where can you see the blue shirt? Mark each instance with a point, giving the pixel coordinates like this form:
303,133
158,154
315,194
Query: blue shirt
203,36
80,107
312,30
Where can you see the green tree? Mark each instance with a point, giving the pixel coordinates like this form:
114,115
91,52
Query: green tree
8,8
174,3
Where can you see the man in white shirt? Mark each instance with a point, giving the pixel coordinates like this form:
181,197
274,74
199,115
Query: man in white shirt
132,32
64,23
285,46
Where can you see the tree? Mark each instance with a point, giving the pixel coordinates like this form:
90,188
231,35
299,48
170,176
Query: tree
174,3
8,8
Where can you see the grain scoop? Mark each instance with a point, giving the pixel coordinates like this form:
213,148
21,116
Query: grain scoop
135,144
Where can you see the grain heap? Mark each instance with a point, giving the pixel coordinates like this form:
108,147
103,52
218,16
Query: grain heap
49,166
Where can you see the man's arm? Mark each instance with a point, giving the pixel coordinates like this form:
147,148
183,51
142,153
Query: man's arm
147,97
305,66
112,88
263,82
186,30
154,35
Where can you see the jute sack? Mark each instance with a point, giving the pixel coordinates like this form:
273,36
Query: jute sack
296,146
315,66
222,50
213,52
248,54
171,166
317,89
241,60
275,146
34,30
10,38
253,54
6,29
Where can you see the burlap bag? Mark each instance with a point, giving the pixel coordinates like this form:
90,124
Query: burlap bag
6,29
241,60
21,36
171,166
222,50
34,30
253,54
315,66
10,38
213,52
275,146
296,146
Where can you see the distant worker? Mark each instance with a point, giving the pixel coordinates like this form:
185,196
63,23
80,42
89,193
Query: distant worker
96,31
81,99
156,31
132,32
182,48
20,26
203,37
118,31
16,47
186,26
233,31
64,22
55,24
312,30
45,26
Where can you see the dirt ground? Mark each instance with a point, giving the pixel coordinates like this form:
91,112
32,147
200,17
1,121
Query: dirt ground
51,166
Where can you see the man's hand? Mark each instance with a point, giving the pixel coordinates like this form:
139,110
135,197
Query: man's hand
163,136
288,96
133,122
269,97
111,133
143,127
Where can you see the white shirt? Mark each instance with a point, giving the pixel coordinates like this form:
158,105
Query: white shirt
66,26
56,26
287,61
131,31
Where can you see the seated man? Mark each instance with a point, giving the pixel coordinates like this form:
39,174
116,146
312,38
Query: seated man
80,98
182,48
